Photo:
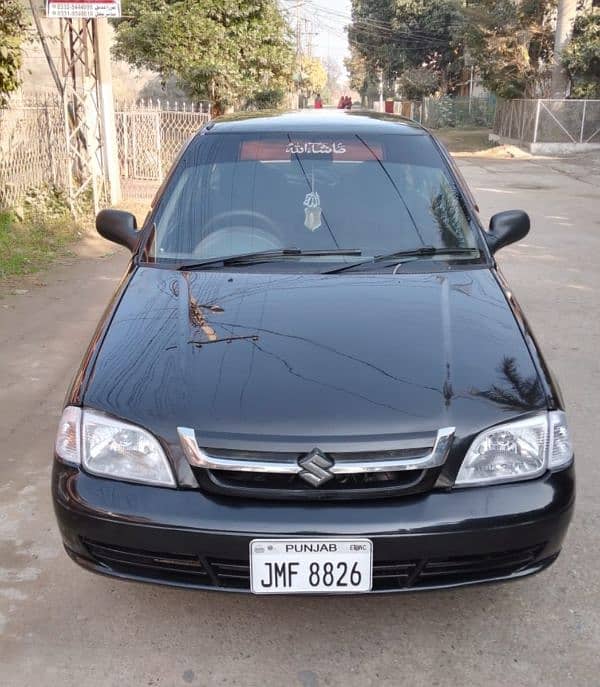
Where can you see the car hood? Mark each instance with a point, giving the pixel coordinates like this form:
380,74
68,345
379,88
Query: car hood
306,358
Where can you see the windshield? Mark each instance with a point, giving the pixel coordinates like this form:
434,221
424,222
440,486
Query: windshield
235,194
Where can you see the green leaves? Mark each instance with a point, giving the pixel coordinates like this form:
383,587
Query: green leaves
511,41
581,57
395,37
310,75
423,45
12,33
227,51
418,82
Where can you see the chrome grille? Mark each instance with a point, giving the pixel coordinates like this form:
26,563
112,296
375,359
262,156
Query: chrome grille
327,471
293,487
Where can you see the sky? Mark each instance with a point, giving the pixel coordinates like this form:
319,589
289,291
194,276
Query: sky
328,19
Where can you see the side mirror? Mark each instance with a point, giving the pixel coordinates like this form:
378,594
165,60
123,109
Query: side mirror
507,227
118,226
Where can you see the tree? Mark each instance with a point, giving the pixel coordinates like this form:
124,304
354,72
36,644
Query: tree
581,57
389,37
433,29
373,45
362,76
226,51
12,34
511,41
310,75
418,82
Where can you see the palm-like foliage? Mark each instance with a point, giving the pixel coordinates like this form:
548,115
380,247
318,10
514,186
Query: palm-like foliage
516,391
446,210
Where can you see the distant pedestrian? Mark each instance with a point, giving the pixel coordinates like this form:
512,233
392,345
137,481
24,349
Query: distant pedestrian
318,102
341,102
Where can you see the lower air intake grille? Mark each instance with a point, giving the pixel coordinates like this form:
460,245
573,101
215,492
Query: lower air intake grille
169,566
232,574
435,572
235,574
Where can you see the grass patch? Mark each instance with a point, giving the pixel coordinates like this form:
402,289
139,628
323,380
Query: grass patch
35,235
464,140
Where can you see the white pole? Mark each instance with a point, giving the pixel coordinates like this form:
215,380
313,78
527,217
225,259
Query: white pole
470,88
158,145
537,121
582,122
108,130
125,114
566,12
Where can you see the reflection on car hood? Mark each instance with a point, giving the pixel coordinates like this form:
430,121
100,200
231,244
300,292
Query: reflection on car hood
274,356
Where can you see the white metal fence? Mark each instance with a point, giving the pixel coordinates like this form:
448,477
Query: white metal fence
150,134
549,122
33,151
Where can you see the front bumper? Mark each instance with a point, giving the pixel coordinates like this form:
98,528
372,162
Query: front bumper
187,538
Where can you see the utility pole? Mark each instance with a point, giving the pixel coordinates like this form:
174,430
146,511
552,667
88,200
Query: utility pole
300,96
108,131
85,86
309,32
80,102
567,10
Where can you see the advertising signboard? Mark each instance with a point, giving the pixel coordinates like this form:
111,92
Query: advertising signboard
83,9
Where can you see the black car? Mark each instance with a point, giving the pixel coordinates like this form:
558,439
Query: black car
313,377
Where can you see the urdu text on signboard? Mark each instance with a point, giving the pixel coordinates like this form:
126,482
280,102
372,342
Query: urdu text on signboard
84,9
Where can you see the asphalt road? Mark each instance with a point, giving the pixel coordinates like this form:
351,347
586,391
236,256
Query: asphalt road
61,626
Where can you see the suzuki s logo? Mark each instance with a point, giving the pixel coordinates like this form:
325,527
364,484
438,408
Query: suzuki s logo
315,468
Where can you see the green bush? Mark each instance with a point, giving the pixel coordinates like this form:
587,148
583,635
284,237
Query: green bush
13,29
581,57
35,233
266,100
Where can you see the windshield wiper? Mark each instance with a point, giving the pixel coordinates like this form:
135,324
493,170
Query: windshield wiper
264,255
423,251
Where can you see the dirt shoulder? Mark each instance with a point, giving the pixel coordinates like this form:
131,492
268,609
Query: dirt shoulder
476,143
35,250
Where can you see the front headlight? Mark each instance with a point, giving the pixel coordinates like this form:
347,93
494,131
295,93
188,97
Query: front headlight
111,448
517,450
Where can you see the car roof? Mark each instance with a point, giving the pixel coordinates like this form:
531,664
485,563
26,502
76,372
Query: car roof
321,120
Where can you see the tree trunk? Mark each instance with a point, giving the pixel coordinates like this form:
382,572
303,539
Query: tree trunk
567,9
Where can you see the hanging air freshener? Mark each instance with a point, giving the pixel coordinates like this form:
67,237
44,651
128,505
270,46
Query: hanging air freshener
312,209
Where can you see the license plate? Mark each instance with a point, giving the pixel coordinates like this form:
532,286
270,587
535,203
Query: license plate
308,566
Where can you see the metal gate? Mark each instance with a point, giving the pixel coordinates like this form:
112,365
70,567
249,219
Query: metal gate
149,137
139,145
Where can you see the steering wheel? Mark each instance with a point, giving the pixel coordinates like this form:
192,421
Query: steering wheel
239,235
323,177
